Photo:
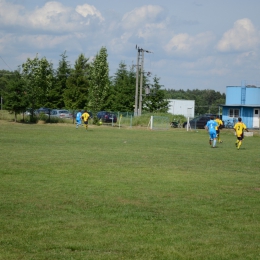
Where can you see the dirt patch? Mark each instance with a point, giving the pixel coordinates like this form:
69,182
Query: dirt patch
41,122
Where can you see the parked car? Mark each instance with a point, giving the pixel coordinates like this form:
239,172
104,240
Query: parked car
61,113
107,117
43,110
200,121
29,111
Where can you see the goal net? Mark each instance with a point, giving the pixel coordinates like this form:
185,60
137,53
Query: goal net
159,123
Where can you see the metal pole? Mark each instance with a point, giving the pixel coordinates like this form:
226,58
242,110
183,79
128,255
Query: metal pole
136,86
141,85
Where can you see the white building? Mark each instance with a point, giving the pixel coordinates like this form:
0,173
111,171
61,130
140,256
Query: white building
182,107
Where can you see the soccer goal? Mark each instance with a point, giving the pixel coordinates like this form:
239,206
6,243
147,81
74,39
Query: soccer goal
159,123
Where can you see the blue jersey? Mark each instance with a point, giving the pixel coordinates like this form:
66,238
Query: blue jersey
78,117
211,125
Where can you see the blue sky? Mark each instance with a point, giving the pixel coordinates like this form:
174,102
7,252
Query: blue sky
195,44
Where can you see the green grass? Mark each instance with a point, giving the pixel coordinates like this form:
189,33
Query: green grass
112,193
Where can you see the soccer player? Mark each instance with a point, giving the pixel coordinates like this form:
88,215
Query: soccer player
239,128
85,117
78,119
220,125
211,128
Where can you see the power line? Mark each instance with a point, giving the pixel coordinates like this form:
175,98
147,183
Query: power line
5,63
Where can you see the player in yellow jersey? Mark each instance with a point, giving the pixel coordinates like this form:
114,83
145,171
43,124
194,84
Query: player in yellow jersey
220,125
85,116
239,128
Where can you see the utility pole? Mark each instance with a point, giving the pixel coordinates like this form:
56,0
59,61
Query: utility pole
137,83
141,86
140,54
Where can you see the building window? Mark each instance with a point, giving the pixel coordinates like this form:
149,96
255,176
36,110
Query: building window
233,112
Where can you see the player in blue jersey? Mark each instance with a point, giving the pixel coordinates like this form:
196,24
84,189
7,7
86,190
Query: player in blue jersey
211,128
78,119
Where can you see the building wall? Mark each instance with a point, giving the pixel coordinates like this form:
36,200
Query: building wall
252,96
182,107
239,98
233,95
246,113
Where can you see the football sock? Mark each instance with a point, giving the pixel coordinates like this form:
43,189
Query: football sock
214,142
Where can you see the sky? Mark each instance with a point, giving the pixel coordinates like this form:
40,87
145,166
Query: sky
194,44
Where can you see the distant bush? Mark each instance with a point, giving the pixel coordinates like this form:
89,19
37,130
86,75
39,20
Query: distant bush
43,117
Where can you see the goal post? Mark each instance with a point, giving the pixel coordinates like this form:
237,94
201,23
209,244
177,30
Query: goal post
159,123
188,127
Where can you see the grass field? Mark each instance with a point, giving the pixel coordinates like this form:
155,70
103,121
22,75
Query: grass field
111,193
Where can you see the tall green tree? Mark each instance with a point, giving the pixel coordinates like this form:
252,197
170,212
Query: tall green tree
5,77
155,101
99,80
109,103
124,89
62,73
76,93
38,77
15,98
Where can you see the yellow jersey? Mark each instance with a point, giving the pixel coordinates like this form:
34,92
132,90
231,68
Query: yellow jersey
239,128
219,121
85,116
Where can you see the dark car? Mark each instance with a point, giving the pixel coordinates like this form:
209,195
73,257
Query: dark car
200,121
43,110
107,117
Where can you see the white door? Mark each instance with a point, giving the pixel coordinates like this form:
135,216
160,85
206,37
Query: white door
256,118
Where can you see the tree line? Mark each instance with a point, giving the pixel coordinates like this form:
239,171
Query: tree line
87,85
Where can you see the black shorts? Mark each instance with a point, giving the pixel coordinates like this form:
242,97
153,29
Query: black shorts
86,122
240,138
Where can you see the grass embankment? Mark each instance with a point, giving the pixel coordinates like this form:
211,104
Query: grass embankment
112,193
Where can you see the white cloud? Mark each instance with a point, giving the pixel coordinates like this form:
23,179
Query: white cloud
152,30
145,25
52,17
243,36
186,44
180,42
141,16
247,59
117,45
89,10
10,14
